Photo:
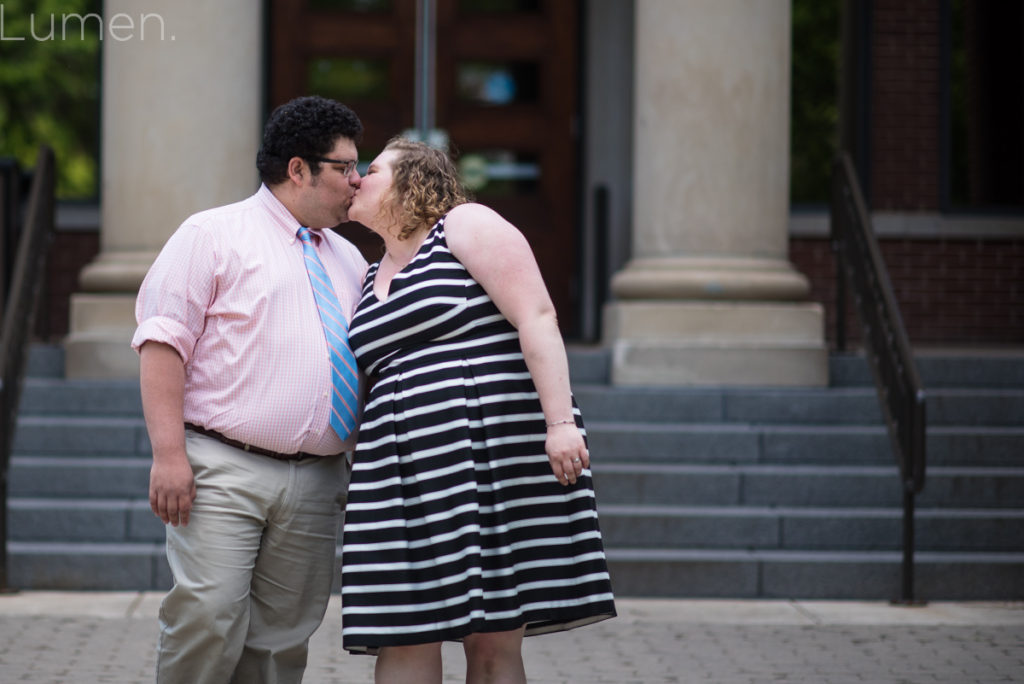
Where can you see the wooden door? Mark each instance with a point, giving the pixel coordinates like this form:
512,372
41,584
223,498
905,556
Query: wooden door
506,96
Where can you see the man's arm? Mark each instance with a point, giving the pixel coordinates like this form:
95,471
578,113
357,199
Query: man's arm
162,380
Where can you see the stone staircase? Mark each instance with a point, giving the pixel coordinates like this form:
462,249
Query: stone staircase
78,485
793,493
772,493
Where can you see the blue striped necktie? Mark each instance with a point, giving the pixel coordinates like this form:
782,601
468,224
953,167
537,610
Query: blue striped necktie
343,363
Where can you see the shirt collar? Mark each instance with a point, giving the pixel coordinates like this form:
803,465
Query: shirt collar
282,216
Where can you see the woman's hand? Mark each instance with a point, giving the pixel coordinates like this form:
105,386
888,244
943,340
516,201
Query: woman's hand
567,452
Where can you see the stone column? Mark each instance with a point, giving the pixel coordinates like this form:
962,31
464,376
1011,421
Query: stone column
182,112
709,297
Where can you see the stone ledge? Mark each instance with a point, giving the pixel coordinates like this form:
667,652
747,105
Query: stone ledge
671,363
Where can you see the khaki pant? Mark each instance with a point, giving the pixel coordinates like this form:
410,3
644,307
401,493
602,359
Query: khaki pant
252,569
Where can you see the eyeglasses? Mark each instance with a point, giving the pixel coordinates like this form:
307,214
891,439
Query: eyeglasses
347,165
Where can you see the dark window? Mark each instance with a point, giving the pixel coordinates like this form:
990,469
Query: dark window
347,79
814,113
498,83
499,5
351,5
986,105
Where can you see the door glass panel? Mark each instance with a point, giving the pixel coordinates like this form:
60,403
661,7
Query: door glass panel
499,5
499,172
344,79
497,83
351,5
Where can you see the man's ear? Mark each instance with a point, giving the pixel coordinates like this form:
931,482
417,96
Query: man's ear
297,170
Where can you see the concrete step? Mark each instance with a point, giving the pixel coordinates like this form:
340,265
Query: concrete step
940,368
112,520
710,527
126,566
689,442
45,361
801,485
56,397
618,483
814,444
115,521
96,477
809,529
39,476
81,398
591,365
937,368
833,406
989,407
865,575
90,435
636,572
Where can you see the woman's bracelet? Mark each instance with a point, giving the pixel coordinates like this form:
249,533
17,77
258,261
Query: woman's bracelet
567,421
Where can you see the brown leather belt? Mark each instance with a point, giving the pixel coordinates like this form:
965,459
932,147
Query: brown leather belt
248,447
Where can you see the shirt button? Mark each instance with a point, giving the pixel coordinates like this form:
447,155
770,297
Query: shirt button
325,395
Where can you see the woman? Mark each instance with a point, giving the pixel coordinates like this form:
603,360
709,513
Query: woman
471,513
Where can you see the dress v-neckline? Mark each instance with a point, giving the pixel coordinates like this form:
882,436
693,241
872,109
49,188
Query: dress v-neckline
387,293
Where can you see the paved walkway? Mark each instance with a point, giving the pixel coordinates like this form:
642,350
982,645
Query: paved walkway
55,637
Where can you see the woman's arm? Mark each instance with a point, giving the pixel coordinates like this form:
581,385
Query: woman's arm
498,257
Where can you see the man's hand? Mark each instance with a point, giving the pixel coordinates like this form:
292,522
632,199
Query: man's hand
171,488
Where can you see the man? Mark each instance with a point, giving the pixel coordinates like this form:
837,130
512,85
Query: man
249,471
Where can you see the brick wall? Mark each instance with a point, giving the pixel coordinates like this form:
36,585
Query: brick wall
950,292
905,106
69,253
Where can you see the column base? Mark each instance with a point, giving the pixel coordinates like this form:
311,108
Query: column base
117,272
712,278
699,343
99,344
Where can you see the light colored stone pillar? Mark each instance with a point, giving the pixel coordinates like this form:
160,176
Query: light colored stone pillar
182,112
709,297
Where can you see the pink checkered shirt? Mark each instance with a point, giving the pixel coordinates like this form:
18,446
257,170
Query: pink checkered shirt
229,292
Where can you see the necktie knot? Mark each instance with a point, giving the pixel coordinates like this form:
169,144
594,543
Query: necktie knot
305,234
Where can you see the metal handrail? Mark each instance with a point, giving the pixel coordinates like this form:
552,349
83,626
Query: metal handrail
860,267
27,278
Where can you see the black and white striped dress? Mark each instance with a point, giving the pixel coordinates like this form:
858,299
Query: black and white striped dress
455,523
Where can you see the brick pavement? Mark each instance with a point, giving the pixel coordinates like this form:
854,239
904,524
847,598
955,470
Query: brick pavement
52,638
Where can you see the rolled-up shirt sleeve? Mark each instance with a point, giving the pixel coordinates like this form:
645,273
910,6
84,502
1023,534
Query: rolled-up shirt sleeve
177,291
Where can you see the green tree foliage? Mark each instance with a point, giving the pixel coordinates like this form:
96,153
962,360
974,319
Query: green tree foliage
50,88
814,116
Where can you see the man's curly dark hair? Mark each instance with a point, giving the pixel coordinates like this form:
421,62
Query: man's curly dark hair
305,127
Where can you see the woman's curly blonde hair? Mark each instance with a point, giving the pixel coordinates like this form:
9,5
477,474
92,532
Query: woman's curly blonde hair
425,186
